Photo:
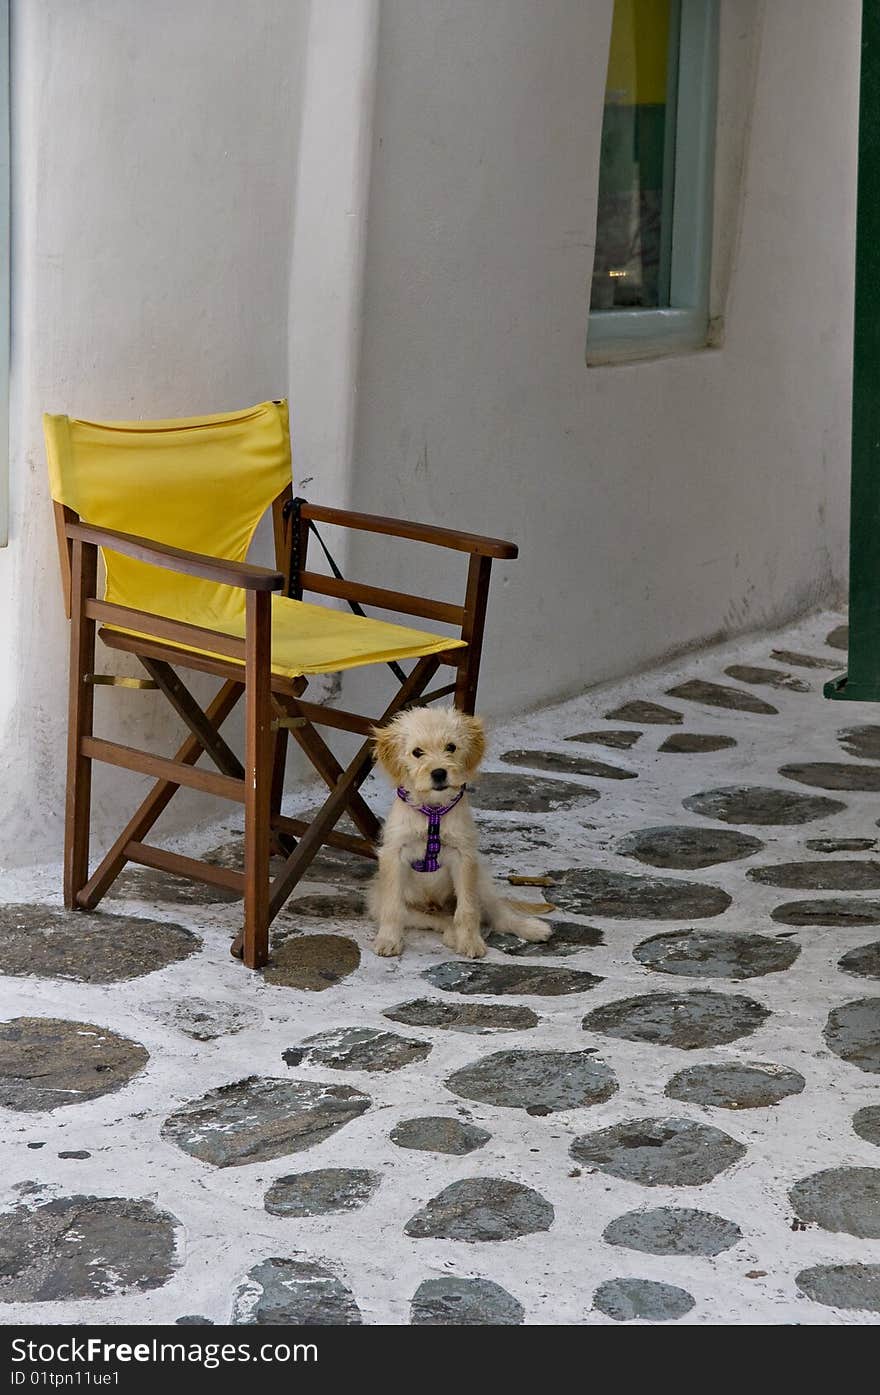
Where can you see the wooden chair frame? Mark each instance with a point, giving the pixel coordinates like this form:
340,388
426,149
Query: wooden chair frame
274,705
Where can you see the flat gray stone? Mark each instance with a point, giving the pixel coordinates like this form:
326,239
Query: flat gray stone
866,1123
163,889
482,1208
294,1293
853,1033
539,980
479,1019
798,660
506,839
839,845
721,695
834,911
659,1152
673,1230
614,740
358,1048
539,1081
833,775
533,794
716,954
339,905
229,855
565,764
325,1192
450,1302
47,1062
626,1300
737,1085
312,963
688,1020
853,874
841,1199
203,1019
766,677
863,961
645,713
568,938
624,896
842,1285
861,741
761,805
439,1134
838,638
48,942
259,1118
691,743
333,866
339,868
686,848
85,1247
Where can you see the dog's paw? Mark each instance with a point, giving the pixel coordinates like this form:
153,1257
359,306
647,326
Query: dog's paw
388,946
471,946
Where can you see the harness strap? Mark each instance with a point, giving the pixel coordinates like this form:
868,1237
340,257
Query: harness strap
433,813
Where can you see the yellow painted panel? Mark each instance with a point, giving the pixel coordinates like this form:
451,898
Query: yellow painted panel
637,60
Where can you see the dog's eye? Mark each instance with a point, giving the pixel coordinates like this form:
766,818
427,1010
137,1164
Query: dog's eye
451,747
418,752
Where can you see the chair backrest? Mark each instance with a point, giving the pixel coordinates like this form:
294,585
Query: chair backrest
199,483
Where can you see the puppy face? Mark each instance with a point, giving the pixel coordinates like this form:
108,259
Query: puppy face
430,753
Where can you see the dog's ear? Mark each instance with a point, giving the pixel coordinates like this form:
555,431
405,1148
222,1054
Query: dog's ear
476,740
386,749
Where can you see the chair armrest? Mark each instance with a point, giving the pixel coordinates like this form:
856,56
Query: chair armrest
220,569
420,532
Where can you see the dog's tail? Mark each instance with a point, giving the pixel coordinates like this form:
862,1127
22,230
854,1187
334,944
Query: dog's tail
526,907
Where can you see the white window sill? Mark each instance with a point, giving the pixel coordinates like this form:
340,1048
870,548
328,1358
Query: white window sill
631,336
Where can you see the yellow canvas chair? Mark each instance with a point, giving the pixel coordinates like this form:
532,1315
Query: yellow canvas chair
173,506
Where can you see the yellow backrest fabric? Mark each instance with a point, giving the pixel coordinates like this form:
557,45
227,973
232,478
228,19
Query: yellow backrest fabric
200,483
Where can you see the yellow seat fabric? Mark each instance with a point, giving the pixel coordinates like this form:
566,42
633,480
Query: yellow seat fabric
202,484
315,639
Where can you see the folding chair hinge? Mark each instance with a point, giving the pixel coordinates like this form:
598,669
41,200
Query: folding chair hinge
288,723
117,680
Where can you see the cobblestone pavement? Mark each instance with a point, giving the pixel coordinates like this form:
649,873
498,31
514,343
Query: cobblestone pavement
670,1112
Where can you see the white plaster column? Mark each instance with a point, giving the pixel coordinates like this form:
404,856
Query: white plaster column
329,238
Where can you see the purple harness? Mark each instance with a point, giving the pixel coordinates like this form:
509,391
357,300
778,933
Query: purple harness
433,813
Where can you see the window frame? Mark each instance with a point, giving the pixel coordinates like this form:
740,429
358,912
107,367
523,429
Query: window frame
683,326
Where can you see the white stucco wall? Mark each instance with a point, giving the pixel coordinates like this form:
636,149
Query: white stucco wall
174,169
656,505
154,164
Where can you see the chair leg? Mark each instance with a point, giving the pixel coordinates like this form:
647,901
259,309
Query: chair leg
84,568
281,842
258,762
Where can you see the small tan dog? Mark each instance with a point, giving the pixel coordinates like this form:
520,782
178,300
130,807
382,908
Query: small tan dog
430,876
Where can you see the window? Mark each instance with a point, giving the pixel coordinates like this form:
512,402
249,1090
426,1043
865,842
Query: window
653,228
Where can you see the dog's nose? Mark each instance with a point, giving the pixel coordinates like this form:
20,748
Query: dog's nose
439,777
